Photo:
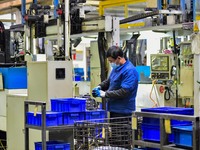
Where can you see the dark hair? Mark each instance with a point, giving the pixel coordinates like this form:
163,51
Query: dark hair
114,52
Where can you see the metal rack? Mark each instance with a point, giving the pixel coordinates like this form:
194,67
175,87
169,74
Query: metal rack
164,143
43,128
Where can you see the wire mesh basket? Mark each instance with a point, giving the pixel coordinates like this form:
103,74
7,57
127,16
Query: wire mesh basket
3,144
103,134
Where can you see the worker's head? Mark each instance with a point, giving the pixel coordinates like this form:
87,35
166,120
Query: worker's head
115,56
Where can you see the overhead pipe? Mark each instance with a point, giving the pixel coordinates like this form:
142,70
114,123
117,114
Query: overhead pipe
67,30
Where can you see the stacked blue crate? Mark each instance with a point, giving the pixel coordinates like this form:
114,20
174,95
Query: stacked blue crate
53,145
68,104
151,126
73,109
96,115
183,136
79,74
52,118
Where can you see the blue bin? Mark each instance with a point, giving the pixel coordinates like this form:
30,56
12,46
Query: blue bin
169,110
151,126
95,114
77,78
14,78
152,133
53,145
68,105
183,136
79,71
52,118
70,118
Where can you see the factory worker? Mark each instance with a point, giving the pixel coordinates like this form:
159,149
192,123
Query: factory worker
120,89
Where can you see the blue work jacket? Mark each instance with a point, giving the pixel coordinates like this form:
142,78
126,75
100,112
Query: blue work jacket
125,77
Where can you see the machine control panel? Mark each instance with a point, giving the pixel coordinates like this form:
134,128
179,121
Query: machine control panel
160,76
160,66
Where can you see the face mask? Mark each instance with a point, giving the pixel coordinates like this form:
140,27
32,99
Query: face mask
114,65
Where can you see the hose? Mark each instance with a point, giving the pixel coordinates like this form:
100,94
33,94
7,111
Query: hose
155,103
167,94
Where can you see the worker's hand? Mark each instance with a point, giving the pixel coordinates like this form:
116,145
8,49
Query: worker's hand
96,88
95,91
101,93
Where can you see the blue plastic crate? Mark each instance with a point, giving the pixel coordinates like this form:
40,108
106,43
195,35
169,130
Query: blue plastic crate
68,104
169,110
70,118
183,136
14,78
53,145
79,71
77,78
95,114
152,133
52,118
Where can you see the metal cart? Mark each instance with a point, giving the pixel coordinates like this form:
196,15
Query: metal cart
164,143
43,128
103,134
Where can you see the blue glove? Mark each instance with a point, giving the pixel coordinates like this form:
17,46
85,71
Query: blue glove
99,93
97,88
95,91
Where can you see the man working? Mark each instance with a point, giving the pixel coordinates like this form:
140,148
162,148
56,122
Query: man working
120,88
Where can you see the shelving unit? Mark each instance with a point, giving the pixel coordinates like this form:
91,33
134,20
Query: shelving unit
43,128
164,143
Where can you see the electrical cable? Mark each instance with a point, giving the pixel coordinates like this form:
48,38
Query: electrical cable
155,104
167,94
156,93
